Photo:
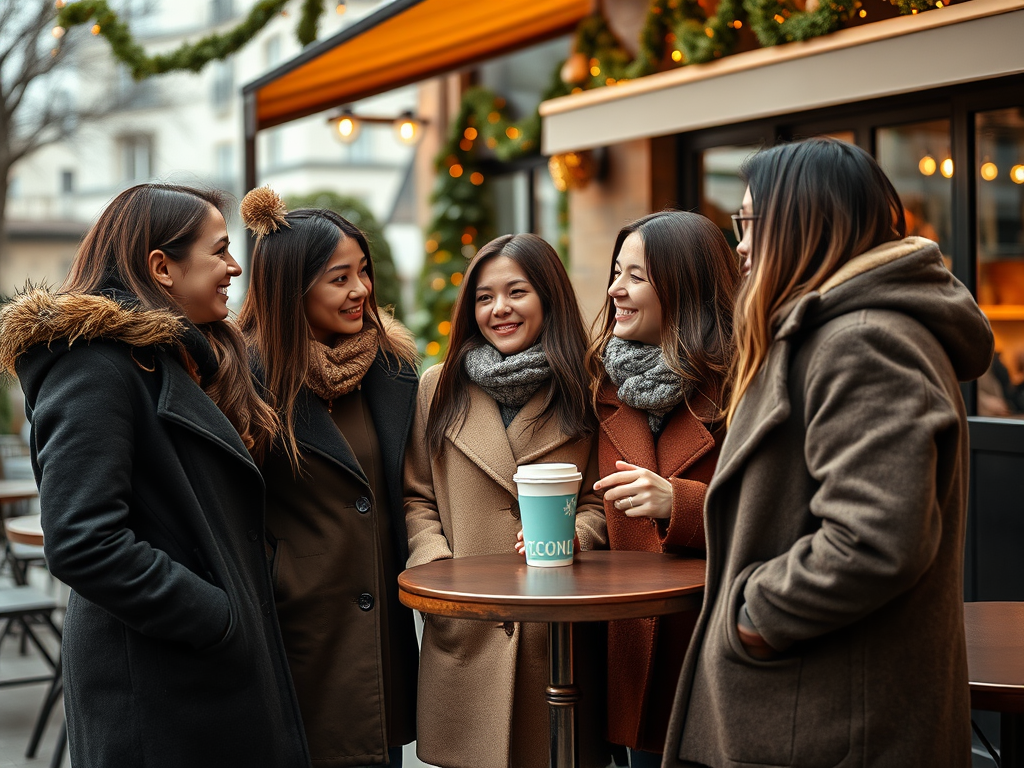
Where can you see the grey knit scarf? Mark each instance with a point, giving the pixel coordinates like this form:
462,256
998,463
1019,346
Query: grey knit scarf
644,380
511,380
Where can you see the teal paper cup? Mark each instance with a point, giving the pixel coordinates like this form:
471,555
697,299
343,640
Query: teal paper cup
547,507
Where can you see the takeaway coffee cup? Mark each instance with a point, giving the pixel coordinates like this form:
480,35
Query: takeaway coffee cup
547,507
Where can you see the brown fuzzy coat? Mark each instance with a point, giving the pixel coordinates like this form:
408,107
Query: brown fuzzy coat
837,515
473,673
645,655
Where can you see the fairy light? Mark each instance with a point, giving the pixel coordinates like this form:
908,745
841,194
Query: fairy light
927,166
989,171
946,168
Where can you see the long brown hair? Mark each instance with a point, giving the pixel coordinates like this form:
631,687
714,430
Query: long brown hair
818,203
285,265
695,276
563,338
114,253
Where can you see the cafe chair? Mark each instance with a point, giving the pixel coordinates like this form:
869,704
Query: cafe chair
29,609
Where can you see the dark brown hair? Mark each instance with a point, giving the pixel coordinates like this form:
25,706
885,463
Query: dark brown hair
563,338
818,204
115,253
285,265
695,276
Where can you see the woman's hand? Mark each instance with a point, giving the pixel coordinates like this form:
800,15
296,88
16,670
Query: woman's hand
637,492
520,544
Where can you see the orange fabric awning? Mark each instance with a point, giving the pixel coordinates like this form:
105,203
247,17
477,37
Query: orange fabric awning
404,42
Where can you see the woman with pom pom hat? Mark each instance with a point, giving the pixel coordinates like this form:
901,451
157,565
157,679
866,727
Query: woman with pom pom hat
340,374
142,409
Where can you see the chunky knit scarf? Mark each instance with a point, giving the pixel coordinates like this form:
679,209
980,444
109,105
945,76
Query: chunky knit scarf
511,380
644,380
336,371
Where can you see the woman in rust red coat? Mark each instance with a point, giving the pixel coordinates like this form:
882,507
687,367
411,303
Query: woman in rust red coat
660,365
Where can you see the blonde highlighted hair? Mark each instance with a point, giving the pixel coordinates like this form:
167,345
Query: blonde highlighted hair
817,204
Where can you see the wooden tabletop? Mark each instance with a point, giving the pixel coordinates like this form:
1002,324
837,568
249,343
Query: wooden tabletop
995,655
27,529
598,586
17,490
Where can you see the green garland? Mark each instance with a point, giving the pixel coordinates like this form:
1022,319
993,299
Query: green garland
779,21
463,212
703,38
190,56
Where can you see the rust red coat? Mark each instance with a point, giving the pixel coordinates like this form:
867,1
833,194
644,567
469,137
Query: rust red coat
645,655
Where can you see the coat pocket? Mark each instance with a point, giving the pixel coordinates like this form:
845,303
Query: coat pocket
759,697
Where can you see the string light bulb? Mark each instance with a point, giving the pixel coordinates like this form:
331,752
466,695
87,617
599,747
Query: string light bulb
408,129
1017,174
340,8
946,168
347,127
927,166
989,171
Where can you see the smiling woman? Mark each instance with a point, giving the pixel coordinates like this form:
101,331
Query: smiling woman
513,390
334,519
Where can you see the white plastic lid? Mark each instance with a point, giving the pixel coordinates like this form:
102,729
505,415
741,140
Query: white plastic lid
546,473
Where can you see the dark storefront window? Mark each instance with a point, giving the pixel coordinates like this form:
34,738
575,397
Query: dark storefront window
1000,226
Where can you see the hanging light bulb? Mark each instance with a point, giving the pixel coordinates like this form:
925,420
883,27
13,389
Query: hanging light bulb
347,127
1017,174
946,167
927,165
408,129
989,171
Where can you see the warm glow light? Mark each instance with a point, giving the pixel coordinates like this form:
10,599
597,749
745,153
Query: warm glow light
444,327
476,178
989,171
455,171
433,348
470,133
512,132
946,168
778,18
95,29
340,8
456,279
407,129
431,245
927,165
677,56
709,31
58,32
467,238
465,145
59,4
437,283
493,117
863,13
1017,174
348,128
595,71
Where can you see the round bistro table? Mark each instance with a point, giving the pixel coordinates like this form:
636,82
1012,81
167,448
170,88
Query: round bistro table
995,667
17,490
598,586
27,529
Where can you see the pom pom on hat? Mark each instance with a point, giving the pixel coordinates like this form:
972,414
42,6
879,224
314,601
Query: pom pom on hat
263,211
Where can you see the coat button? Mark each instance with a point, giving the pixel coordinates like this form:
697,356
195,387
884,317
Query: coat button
251,533
363,504
365,601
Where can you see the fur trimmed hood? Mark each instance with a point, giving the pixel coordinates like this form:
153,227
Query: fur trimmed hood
401,338
38,316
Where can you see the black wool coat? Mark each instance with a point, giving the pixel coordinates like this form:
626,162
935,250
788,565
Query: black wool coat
152,513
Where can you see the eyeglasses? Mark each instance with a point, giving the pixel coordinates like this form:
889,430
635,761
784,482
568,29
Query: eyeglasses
737,224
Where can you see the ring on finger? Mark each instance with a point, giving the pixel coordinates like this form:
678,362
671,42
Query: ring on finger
630,500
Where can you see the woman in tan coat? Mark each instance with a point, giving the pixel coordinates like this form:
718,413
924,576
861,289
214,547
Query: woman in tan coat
659,364
513,390
832,630
340,372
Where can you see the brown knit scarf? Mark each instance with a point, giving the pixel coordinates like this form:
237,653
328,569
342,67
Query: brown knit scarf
336,371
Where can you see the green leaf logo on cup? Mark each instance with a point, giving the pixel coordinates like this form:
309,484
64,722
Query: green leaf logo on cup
547,507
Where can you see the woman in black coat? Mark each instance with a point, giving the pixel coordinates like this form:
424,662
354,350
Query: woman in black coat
142,412
341,374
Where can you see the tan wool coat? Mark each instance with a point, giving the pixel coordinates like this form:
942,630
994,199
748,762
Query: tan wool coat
481,688
837,515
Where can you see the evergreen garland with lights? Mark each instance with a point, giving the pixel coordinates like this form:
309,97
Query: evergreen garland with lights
189,56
